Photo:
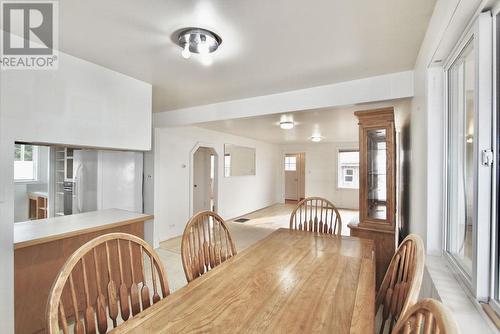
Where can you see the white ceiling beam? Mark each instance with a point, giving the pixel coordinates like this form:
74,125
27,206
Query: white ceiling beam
373,89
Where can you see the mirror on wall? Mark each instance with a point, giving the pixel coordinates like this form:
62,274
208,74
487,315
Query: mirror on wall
238,160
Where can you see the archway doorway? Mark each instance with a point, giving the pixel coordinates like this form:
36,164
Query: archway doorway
205,180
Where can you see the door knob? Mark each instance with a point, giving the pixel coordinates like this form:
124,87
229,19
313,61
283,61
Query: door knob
195,185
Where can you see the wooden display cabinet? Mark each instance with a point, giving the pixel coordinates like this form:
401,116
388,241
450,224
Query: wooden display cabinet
377,190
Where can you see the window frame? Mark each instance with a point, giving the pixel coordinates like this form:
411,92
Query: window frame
34,160
340,171
227,165
287,165
346,174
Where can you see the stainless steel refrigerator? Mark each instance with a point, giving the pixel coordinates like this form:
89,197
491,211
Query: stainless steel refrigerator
85,171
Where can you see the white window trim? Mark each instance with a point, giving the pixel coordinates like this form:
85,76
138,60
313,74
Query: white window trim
447,286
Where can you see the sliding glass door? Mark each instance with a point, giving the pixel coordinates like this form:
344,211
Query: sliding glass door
461,84
495,230
470,156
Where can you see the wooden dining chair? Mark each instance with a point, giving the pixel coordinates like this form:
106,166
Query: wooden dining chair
401,285
108,279
316,214
427,316
206,243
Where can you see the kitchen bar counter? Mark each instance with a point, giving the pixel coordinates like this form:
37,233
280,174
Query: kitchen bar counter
41,247
45,230
38,194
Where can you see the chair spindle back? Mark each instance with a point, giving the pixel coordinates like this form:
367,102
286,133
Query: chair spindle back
206,243
316,214
107,280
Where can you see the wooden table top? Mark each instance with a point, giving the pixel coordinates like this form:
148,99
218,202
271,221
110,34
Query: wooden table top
289,282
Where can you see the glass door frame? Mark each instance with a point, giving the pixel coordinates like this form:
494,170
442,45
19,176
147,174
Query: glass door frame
389,222
480,34
467,40
495,229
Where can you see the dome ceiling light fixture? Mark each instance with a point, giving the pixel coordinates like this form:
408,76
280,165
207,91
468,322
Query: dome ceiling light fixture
286,125
316,138
198,40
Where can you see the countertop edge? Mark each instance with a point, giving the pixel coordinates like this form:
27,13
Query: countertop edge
42,240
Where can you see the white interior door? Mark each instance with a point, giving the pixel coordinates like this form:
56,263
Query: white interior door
291,177
201,180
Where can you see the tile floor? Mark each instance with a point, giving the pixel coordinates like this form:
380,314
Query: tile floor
262,223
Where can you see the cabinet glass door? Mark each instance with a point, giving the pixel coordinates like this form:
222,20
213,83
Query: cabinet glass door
377,173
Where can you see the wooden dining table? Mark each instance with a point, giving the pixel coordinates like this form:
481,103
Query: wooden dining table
289,282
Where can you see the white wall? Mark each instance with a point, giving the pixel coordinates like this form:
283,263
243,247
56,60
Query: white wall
21,204
321,172
119,184
79,104
449,20
6,227
237,195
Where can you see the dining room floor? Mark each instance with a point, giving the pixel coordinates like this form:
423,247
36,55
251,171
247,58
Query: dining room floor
261,223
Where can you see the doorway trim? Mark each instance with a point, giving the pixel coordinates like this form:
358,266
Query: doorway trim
191,175
302,175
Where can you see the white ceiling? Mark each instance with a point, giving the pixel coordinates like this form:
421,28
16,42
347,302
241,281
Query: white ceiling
268,46
332,124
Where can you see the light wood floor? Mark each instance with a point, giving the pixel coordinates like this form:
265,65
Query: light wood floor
278,215
262,223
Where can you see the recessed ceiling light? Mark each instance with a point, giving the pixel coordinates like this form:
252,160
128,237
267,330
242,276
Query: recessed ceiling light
316,138
286,125
198,40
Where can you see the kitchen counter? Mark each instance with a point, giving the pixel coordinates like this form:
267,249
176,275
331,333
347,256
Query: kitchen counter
45,230
38,194
41,247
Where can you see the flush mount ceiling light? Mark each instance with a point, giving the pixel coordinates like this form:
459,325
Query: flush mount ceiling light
286,125
198,40
316,138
